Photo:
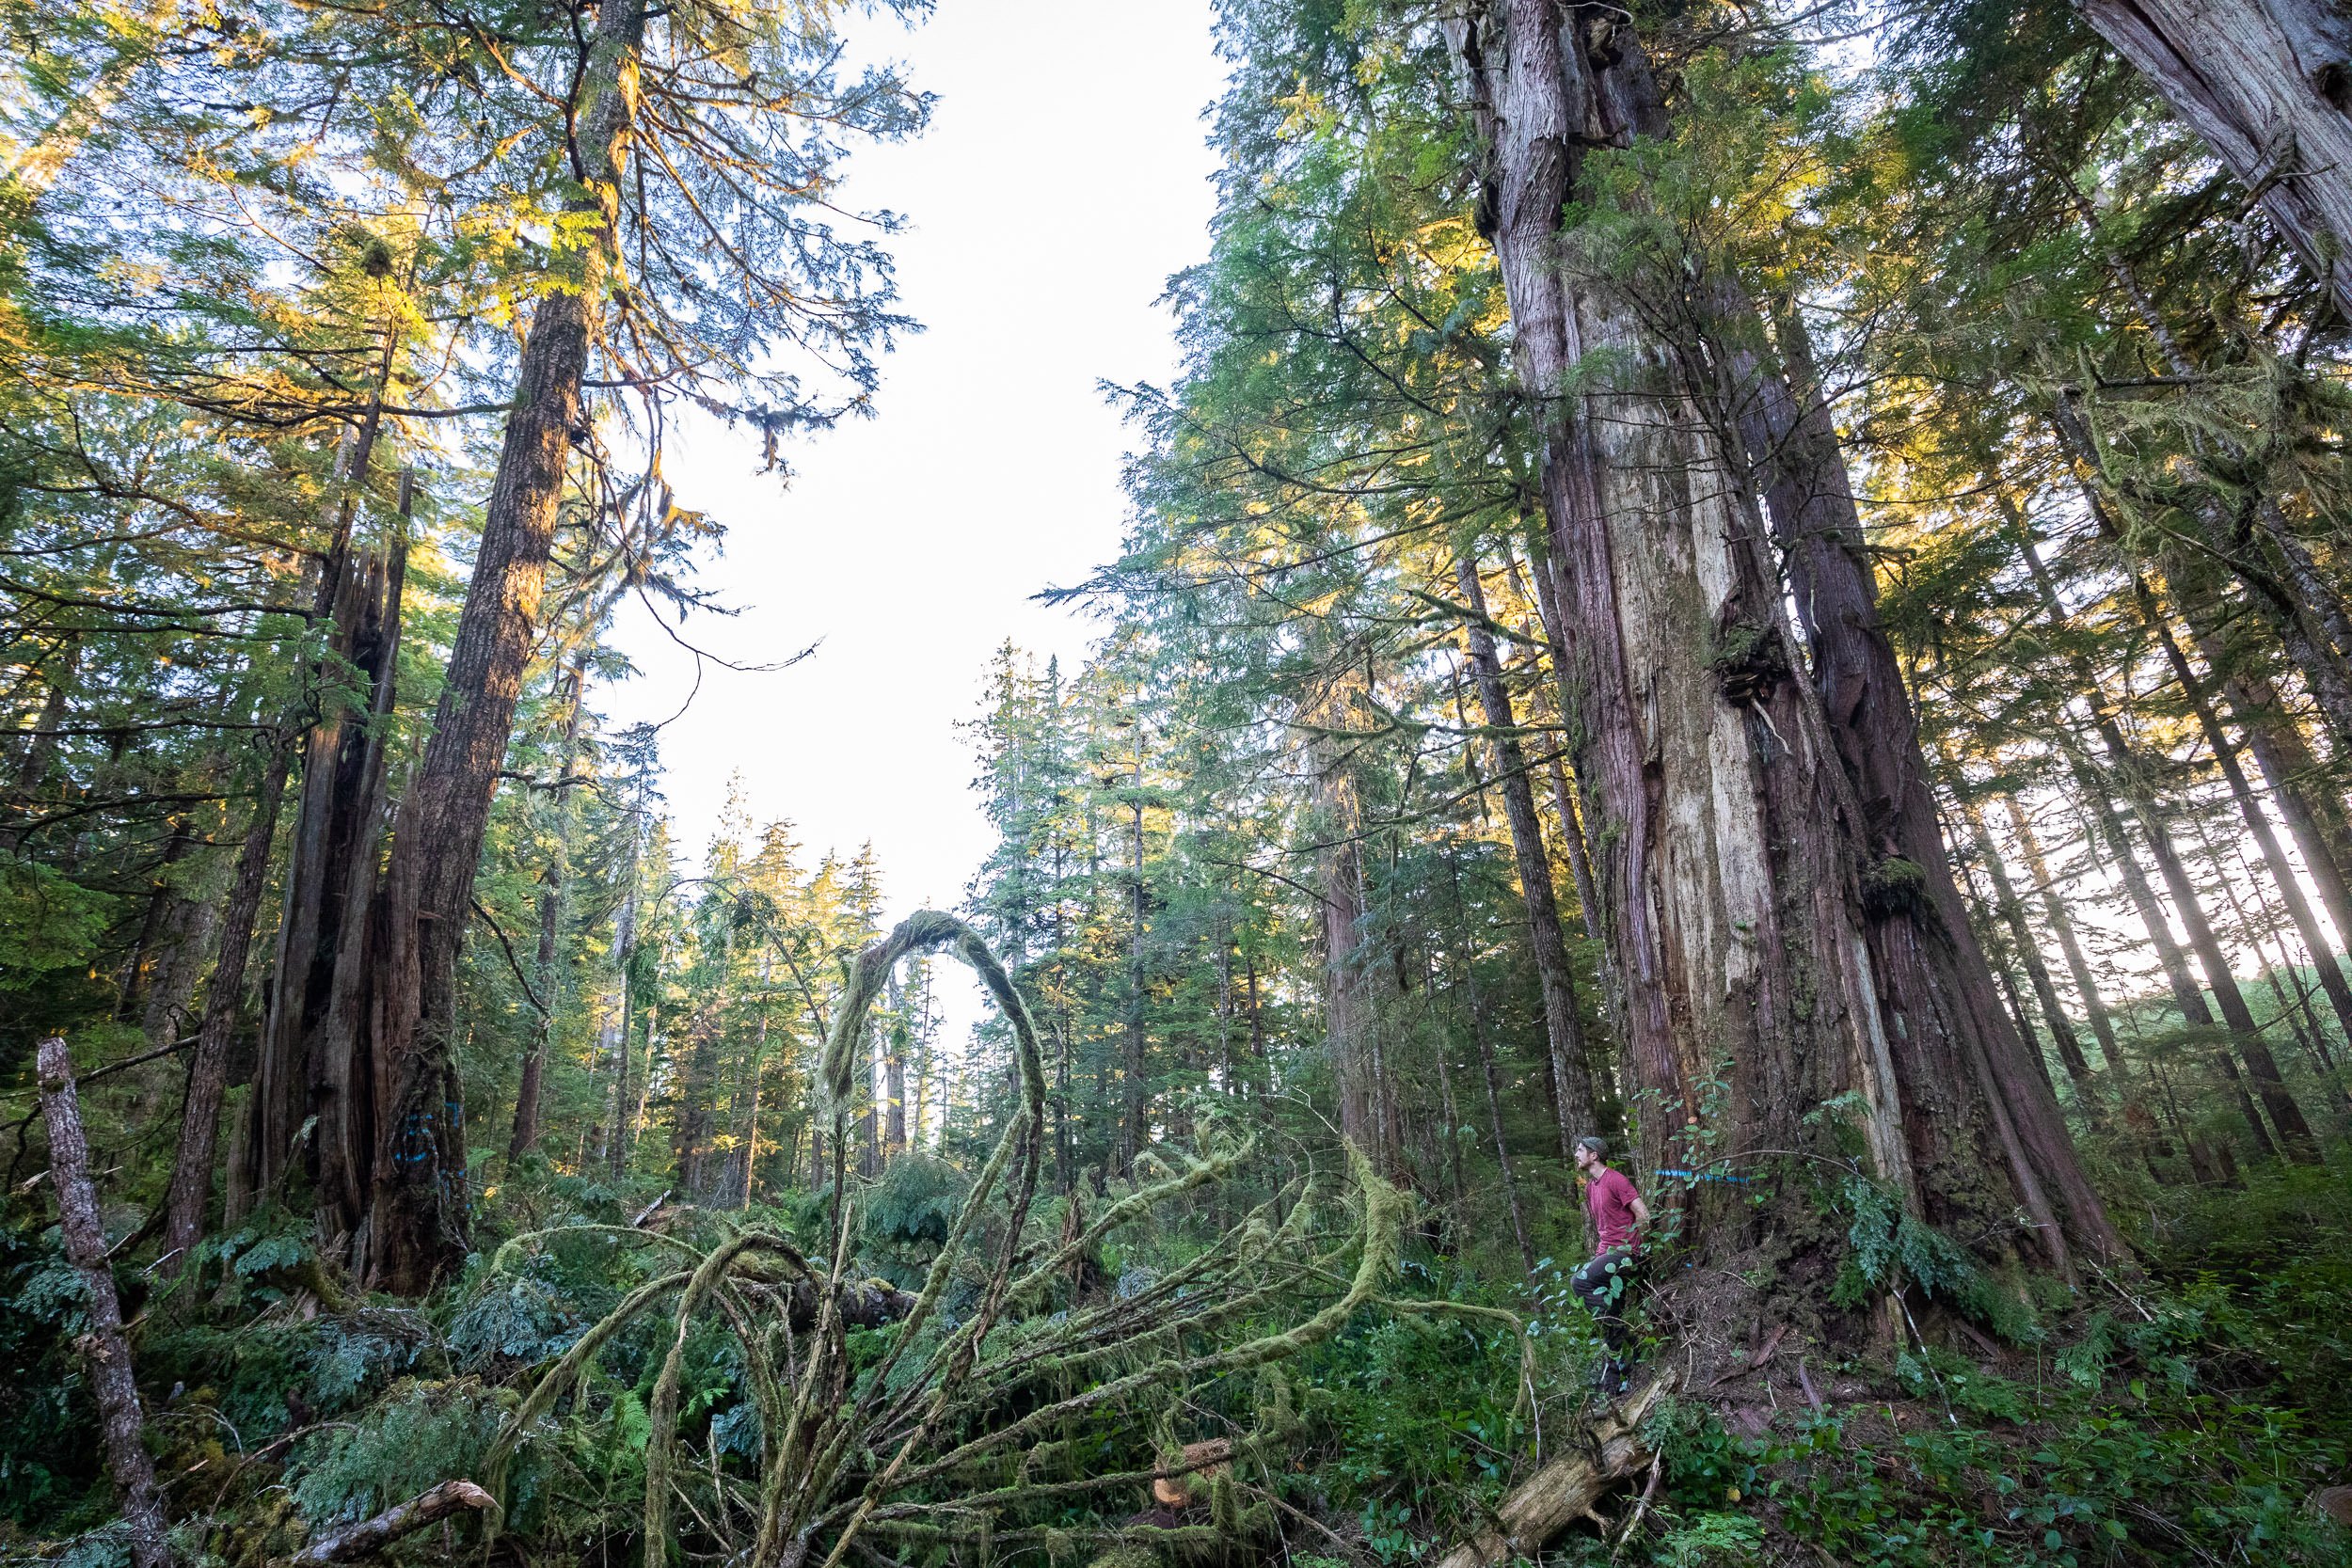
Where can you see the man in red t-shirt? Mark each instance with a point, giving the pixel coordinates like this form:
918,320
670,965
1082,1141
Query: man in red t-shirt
1605,1283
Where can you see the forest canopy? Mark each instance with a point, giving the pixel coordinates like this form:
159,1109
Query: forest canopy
1693,907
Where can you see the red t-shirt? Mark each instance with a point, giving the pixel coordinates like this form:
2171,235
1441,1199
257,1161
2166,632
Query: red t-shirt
1609,1198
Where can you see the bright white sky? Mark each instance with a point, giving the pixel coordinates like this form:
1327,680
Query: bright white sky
1063,179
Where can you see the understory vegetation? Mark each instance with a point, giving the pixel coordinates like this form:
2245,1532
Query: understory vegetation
1761,585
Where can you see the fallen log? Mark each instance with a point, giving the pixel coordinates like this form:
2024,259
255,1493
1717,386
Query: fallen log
1567,1489
105,1348
371,1536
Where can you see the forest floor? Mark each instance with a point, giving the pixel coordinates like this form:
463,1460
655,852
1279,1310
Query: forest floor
2199,1411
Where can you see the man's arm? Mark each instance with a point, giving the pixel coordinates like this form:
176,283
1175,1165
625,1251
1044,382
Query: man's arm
1640,1212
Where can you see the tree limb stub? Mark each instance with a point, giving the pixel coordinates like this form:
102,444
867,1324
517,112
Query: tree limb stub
371,1536
1567,1489
104,1349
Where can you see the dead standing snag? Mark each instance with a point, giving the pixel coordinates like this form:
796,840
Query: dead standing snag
105,1348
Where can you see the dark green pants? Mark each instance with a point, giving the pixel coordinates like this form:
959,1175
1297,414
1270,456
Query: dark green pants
1605,1286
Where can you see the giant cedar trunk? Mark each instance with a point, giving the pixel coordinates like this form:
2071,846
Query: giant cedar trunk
1733,860
2265,83
329,884
340,602
1937,984
416,1191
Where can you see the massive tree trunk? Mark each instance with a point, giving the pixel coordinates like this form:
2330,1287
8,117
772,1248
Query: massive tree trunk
1935,979
2266,84
417,1193
1742,879
339,601
300,1117
1572,1063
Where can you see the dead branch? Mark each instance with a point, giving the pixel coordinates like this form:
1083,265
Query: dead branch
372,1535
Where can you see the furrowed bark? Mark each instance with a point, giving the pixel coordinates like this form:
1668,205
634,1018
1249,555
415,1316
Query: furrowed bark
1933,972
104,1349
2265,83
1740,876
418,1195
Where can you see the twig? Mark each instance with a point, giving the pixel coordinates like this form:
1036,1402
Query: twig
1641,1507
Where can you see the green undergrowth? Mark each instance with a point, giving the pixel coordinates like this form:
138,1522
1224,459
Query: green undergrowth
2185,1413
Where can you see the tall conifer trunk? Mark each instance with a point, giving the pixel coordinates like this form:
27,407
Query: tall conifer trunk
2061,924
1742,878
418,1197
527,1089
1574,1100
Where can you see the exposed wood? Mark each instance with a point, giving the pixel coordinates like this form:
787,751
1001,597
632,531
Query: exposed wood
372,1536
1568,1488
104,1349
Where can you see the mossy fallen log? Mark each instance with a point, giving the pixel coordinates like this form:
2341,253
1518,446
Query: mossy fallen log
1568,1488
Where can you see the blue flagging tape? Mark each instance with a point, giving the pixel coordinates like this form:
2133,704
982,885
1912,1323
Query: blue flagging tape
1705,1176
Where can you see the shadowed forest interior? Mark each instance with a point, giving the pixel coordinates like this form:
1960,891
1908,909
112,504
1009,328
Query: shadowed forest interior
1745,604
